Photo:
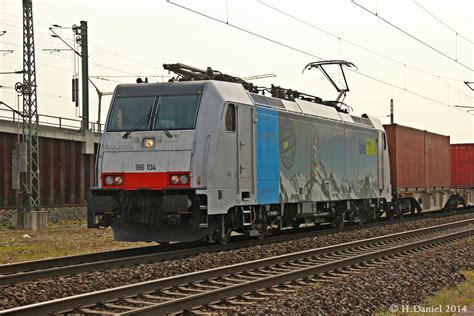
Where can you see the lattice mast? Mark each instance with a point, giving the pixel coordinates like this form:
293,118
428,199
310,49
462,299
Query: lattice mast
30,183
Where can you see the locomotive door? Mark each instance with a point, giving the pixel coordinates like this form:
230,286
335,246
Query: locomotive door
245,133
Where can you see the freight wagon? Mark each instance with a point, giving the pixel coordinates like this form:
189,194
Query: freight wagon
420,170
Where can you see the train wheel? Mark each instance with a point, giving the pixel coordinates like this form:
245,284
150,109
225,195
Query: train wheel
388,212
296,223
264,232
400,214
339,221
223,240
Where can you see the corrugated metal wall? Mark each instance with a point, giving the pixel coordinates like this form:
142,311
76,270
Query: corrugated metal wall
406,151
65,173
418,159
437,160
462,165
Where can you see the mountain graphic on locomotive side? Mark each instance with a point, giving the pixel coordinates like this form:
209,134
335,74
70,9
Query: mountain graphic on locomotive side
206,155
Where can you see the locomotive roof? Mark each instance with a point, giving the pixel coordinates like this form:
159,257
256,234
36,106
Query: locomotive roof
228,92
165,88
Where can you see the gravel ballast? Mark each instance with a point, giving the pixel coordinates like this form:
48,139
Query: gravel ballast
407,282
32,292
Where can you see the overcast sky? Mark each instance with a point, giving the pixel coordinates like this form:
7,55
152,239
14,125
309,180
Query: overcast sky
134,38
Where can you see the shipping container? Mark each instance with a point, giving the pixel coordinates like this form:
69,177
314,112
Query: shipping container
419,160
462,165
437,161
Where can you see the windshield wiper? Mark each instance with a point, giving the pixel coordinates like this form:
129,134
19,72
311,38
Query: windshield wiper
133,129
163,127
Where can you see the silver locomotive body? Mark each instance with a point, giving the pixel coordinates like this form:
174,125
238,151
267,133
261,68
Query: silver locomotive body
189,160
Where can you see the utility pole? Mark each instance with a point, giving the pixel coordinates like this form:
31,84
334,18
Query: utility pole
29,216
81,39
30,184
391,111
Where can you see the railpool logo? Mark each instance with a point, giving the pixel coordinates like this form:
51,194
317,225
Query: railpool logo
118,147
287,146
368,147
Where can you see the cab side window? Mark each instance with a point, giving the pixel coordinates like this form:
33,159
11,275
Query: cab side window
230,118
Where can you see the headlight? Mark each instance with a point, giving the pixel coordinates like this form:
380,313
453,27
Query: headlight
113,180
174,179
184,179
118,180
109,180
148,142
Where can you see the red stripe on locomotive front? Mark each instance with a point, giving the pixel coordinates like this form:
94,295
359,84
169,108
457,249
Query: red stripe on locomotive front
146,180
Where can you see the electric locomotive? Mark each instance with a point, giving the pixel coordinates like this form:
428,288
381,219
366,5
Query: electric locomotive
206,155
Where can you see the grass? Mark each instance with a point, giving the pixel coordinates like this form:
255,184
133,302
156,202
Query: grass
461,295
64,239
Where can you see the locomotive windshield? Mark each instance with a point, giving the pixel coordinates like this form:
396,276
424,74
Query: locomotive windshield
176,112
131,113
169,113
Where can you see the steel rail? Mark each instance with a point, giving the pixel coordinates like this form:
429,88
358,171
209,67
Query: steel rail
48,268
264,282
202,298
381,246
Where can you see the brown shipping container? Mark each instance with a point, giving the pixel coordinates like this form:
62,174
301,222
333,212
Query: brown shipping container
437,161
462,165
406,151
419,159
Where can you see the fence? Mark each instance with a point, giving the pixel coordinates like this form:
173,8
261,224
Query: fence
51,120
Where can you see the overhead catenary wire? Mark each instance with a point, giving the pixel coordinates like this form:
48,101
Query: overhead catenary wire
61,56
243,29
309,54
65,57
45,37
38,33
404,65
42,64
42,92
18,16
102,66
104,50
51,42
377,15
124,57
258,35
443,23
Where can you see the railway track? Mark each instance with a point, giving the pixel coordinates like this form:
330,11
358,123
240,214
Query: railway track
42,269
244,282
48,268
